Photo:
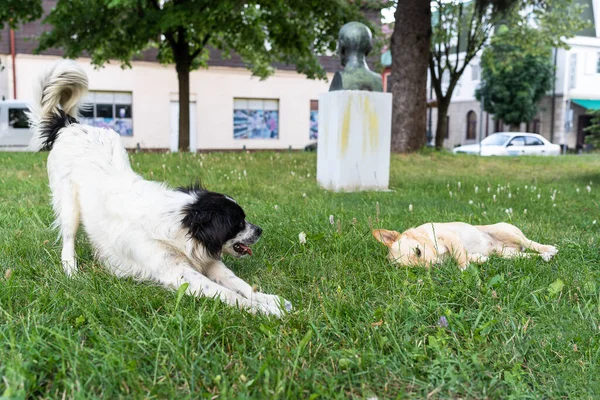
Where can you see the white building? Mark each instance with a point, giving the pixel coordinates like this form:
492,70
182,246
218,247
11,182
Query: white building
577,91
230,109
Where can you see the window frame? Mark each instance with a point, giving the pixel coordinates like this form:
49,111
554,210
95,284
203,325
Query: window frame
22,119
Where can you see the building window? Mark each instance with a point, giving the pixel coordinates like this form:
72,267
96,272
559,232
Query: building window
314,120
573,71
17,118
475,71
110,110
255,119
598,64
471,125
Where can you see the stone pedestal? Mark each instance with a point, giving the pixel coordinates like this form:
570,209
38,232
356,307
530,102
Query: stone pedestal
353,153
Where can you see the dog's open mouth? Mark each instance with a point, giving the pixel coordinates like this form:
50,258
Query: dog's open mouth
242,249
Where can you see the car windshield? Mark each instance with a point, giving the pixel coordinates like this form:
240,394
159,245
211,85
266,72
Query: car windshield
495,140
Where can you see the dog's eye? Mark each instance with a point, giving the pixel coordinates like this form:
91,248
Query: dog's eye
418,252
242,224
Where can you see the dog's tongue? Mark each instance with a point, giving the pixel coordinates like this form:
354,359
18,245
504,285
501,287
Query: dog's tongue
245,249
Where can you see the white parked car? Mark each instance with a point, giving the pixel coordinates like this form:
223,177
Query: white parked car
511,144
14,125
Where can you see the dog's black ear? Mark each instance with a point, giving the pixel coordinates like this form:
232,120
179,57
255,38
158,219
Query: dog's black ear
207,228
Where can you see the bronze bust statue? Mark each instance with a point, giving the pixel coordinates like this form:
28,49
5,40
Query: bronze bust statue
355,41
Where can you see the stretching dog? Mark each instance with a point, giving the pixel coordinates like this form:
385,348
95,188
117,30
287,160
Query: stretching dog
429,243
138,228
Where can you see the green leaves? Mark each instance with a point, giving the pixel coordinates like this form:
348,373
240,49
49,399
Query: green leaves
261,32
556,287
15,12
514,79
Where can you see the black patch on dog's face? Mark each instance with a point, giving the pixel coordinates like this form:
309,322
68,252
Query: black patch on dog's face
212,219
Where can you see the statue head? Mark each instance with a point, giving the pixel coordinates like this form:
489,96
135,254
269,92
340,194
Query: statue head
356,39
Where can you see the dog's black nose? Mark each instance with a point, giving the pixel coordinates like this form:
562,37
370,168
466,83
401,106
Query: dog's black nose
258,230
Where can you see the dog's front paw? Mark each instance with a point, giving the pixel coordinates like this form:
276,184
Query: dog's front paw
69,266
272,301
464,266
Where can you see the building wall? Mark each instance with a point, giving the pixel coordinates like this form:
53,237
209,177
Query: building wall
154,86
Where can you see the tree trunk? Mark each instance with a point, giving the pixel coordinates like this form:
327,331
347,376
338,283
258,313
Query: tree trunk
183,77
442,123
410,59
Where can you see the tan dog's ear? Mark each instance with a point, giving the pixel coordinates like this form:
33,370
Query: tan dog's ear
386,237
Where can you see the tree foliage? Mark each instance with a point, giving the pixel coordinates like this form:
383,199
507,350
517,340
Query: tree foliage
517,70
261,32
512,89
593,138
461,29
15,12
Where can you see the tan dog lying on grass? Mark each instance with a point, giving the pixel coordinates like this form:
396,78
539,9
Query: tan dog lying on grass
427,244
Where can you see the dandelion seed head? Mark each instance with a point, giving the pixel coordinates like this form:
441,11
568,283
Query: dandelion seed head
302,238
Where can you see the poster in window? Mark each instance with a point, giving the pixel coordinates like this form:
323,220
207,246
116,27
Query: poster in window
123,126
314,120
255,124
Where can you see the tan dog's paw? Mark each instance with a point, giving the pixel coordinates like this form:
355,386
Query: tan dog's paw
550,252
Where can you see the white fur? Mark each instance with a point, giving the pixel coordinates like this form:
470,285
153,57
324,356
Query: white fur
134,225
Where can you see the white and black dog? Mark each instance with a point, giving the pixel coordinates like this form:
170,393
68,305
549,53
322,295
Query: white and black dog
138,228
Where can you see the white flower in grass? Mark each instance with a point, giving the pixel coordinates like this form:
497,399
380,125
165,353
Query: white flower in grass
302,238
459,185
293,173
508,211
525,211
331,220
489,189
554,205
476,189
450,193
303,194
308,175
577,190
588,188
245,174
594,222
448,185
470,202
410,208
494,198
509,195
276,207
539,196
525,187
484,213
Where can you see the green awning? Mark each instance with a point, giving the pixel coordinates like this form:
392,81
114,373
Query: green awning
587,104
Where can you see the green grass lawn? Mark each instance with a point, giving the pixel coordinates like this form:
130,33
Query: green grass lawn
361,327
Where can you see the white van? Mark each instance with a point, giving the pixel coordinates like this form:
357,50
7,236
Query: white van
14,126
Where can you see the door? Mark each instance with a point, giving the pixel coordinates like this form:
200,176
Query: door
582,122
14,126
174,142
516,147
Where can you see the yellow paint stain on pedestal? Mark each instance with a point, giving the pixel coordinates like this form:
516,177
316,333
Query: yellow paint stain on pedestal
370,125
345,133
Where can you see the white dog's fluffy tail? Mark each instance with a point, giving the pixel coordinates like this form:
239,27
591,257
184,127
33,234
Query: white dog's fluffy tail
56,102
